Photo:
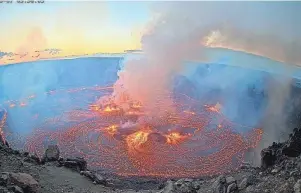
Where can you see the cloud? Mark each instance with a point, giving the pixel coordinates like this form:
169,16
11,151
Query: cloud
264,45
268,29
2,54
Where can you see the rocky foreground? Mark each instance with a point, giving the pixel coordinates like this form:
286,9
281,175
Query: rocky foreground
24,173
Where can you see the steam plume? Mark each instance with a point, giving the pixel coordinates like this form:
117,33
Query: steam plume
180,31
35,41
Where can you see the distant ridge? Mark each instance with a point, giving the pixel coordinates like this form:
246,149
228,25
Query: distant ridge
132,51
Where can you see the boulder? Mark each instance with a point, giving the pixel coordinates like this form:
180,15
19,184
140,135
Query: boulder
230,180
15,189
231,188
4,178
72,164
99,179
7,144
245,165
278,152
52,153
25,154
88,174
219,185
284,188
243,184
292,147
4,190
297,187
33,158
252,189
2,142
77,164
169,187
25,181
183,185
274,171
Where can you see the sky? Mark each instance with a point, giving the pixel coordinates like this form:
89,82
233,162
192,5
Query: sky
76,27
86,27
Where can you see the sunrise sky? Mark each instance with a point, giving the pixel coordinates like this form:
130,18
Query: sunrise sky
75,27
85,27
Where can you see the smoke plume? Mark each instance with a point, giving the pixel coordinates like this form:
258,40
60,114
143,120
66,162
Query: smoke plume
35,40
180,31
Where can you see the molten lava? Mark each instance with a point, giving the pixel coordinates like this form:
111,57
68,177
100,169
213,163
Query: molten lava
95,108
175,138
112,130
189,112
110,109
136,105
108,136
216,108
136,140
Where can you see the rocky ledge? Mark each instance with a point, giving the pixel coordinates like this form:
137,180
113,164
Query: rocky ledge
280,172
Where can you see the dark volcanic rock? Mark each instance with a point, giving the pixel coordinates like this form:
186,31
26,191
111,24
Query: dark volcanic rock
278,152
6,144
292,147
244,183
15,189
35,157
1,140
25,181
4,178
297,187
3,143
25,154
231,188
4,190
219,185
16,152
32,159
184,185
52,153
97,178
88,174
78,164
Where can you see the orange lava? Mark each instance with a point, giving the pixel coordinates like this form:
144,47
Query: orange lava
108,137
174,138
112,130
136,140
111,109
216,108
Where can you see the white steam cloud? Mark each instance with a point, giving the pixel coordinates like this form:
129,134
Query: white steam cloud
181,30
